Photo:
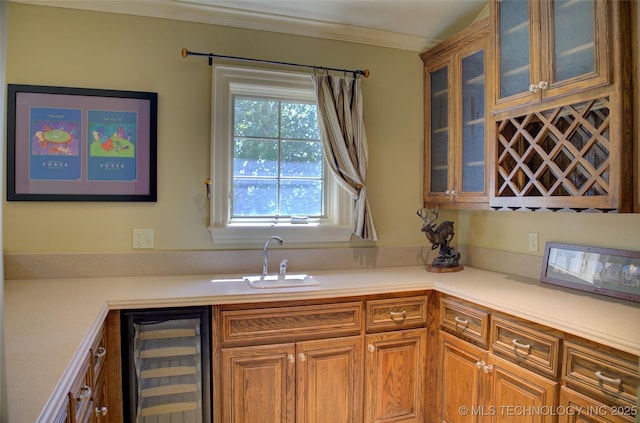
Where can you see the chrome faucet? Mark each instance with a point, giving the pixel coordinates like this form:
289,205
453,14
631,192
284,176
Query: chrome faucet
265,270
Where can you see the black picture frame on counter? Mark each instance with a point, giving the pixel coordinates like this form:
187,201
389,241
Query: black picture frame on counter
605,271
81,144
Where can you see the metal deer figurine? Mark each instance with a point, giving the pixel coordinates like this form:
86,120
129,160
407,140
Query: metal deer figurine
440,237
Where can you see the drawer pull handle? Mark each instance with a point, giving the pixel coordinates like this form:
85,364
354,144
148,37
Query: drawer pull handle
402,314
291,358
463,322
603,378
100,352
517,345
84,392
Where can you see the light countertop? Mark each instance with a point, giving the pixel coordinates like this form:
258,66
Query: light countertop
50,323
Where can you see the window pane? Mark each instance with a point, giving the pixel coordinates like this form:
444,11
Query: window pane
256,118
300,121
255,197
301,197
255,157
301,158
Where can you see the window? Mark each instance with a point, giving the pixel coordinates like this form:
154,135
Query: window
277,159
269,175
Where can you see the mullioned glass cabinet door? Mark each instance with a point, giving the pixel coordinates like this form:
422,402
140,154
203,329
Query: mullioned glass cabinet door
473,124
439,134
548,48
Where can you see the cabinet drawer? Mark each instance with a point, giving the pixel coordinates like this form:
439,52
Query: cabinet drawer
602,374
396,313
467,322
590,410
526,344
81,394
98,356
292,323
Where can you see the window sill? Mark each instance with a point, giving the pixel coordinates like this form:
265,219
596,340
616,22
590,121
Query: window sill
291,233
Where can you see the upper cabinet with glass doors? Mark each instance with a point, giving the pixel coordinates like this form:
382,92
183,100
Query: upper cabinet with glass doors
546,49
456,175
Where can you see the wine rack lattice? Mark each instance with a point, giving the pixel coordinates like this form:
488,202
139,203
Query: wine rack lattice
564,151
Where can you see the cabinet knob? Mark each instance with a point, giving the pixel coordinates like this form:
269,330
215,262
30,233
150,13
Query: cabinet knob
101,411
542,85
302,357
371,348
291,358
84,392
480,365
100,352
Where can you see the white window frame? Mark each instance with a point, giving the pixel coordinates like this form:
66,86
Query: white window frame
236,80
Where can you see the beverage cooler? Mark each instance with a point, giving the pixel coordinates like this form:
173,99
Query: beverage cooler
166,371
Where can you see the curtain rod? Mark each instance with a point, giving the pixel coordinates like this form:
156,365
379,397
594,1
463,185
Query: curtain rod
355,72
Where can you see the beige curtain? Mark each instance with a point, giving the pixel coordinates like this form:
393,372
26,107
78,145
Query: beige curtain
344,140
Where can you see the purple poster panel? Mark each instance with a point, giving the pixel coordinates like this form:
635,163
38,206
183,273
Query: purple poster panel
112,148
54,153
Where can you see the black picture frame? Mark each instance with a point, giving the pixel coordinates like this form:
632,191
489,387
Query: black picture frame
605,271
81,144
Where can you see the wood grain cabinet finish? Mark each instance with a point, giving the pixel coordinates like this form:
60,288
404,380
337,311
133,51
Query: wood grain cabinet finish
583,409
561,121
517,394
465,320
258,384
610,376
395,367
455,74
81,394
277,324
530,345
397,313
462,383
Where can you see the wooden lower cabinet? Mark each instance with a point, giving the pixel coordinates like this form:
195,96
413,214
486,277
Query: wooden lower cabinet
517,394
462,384
477,386
579,408
395,377
307,382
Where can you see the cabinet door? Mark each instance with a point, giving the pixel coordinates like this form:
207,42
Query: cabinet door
582,409
520,395
437,160
516,32
395,373
471,178
258,384
576,45
462,383
329,380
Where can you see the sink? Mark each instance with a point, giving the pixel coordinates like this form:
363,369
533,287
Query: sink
273,281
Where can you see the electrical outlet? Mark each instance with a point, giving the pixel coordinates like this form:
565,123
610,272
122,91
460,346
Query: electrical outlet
143,238
533,242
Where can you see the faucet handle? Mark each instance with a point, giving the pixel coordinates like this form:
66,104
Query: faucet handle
283,269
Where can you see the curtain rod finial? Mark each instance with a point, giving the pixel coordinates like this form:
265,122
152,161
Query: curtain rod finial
366,73
185,52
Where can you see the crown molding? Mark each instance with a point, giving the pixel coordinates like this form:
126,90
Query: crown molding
193,12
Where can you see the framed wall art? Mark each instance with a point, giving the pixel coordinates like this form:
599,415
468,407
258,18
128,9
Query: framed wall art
605,271
79,144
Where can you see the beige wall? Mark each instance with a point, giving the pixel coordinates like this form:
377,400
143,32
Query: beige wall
50,46
62,47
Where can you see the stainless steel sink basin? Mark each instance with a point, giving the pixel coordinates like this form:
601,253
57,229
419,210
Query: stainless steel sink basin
273,281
